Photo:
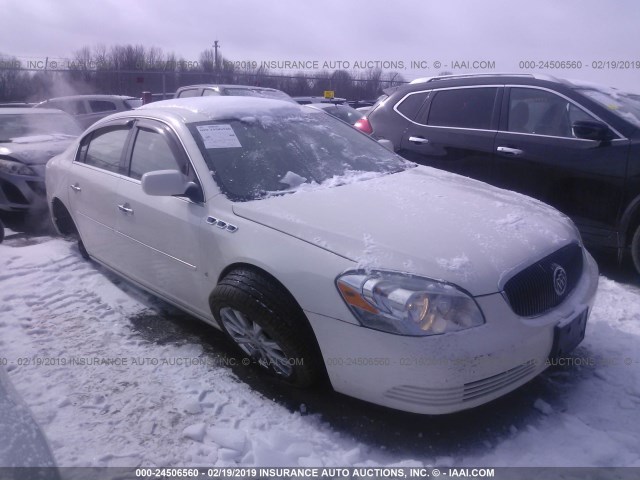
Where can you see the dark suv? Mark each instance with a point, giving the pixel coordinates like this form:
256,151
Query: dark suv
573,145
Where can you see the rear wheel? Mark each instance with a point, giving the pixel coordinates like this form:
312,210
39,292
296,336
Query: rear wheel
635,249
262,319
1,231
82,249
66,226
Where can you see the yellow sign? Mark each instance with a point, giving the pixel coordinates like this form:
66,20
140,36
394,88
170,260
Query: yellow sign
329,94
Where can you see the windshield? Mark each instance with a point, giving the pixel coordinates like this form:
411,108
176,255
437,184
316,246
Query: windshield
18,125
256,157
625,105
133,102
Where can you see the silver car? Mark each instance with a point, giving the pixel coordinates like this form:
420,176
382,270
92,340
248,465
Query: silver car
28,139
88,109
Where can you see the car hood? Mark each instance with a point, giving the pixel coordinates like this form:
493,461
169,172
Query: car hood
37,149
422,221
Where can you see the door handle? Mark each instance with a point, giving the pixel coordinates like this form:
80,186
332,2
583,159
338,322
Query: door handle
75,187
126,208
420,140
510,151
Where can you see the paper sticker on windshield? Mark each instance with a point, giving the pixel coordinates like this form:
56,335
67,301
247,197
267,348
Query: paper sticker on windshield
218,136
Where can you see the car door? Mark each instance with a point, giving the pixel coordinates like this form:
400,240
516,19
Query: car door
455,131
161,232
538,154
93,182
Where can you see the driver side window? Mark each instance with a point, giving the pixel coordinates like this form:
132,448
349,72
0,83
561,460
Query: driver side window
540,112
151,152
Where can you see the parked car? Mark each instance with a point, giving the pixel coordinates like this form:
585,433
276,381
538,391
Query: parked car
343,112
23,442
207,90
317,99
364,110
29,137
317,250
573,145
88,109
16,105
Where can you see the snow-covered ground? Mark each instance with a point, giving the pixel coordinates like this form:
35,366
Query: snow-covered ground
118,378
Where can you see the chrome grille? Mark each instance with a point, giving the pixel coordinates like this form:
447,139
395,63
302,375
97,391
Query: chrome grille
543,285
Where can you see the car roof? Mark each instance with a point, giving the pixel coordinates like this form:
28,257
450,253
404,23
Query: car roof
217,85
320,99
327,105
428,83
199,109
30,111
91,97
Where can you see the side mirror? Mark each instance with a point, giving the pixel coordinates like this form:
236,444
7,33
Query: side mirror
170,182
589,130
388,144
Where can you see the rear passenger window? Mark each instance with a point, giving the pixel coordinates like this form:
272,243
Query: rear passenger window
411,104
192,92
209,92
103,149
463,108
151,152
101,106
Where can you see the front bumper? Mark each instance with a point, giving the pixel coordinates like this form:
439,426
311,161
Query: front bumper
451,372
19,193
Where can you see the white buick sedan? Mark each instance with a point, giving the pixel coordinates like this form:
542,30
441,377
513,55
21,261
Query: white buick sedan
320,252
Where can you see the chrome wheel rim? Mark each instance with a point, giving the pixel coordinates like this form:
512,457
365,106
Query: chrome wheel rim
255,342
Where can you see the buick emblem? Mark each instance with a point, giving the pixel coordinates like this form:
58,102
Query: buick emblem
559,279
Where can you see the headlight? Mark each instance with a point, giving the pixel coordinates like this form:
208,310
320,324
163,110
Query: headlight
407,305
15,168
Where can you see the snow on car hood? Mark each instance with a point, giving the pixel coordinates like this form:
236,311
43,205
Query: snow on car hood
421,221
37,149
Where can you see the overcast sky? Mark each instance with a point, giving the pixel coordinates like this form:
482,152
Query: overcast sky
500,31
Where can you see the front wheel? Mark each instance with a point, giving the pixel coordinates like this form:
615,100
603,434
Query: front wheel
635,249
264,322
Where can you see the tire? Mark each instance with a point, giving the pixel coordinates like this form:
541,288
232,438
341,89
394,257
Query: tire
1,231
61,220
265,323
82,249
635,249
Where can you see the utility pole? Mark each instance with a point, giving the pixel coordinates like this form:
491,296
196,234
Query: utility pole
215,53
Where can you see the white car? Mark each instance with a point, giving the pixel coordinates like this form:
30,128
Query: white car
318,251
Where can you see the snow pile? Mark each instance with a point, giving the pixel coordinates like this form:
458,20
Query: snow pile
298,183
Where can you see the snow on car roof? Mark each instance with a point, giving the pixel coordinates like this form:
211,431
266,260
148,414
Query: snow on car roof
197,109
